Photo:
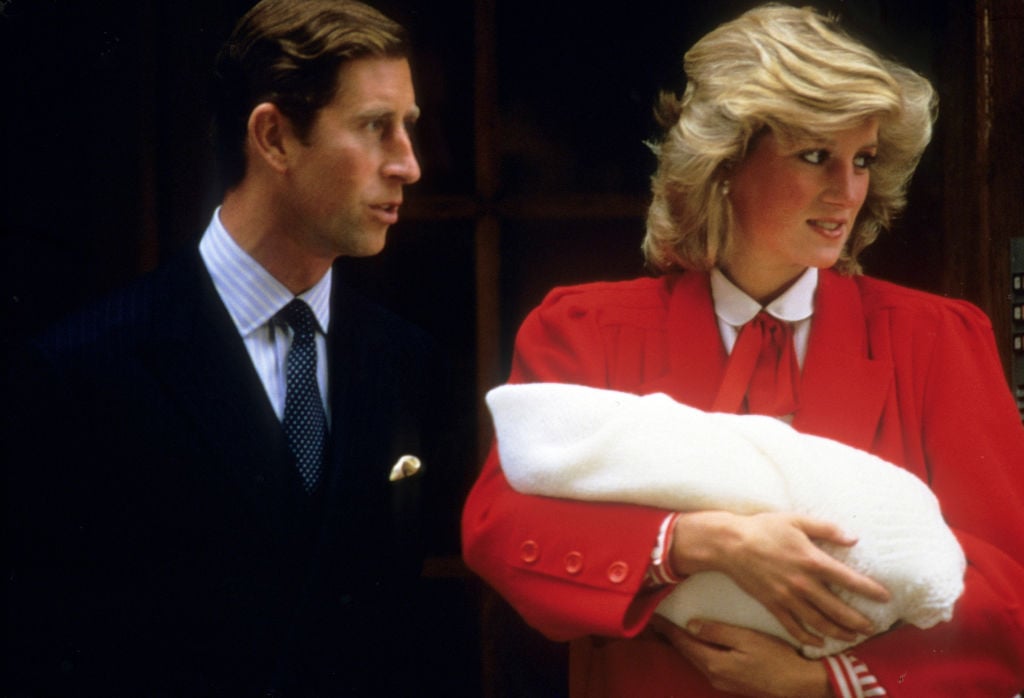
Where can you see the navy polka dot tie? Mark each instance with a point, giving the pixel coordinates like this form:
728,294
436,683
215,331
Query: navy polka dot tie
305,424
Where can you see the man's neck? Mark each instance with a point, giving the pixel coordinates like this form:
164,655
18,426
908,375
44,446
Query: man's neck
253,221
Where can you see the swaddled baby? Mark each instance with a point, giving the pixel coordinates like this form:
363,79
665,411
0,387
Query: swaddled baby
577,442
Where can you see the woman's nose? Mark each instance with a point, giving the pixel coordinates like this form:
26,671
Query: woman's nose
846,185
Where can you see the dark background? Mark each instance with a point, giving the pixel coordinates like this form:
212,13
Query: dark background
107,161
535,174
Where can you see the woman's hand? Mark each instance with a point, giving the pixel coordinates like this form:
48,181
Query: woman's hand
746,662
773,558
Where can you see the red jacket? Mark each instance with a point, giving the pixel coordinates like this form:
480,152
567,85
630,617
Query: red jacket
911,377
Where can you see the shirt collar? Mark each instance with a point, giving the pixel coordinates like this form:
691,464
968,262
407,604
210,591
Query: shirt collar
735,307
250,293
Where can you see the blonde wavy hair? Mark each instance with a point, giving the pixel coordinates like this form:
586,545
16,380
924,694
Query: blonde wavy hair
792,71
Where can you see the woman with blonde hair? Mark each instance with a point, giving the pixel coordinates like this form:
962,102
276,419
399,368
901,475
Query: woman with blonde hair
789,150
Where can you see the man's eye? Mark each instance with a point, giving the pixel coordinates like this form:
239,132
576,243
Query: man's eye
814,157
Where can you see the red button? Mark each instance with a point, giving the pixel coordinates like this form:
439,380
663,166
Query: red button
618,572
529,551
574,562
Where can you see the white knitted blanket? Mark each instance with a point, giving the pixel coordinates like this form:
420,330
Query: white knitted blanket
577,442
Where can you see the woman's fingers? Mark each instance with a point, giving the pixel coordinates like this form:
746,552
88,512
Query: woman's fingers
795,627
835,572
802,596
826,614
775,557
824,531
841,613
807,623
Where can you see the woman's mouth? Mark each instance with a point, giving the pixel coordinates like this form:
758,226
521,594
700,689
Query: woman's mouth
832,229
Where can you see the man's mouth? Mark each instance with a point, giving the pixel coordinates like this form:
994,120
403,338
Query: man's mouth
386,212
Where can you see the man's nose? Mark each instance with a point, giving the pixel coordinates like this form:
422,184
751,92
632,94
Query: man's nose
402,163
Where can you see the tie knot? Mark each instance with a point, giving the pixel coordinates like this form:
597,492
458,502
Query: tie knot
768,322
299,317
773,331
762,374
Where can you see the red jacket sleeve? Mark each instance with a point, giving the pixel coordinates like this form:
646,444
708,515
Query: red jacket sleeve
569,568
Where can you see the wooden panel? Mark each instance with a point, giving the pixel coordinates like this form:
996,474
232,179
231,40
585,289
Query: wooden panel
984,182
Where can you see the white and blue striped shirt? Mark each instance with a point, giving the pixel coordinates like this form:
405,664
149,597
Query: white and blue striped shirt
253,297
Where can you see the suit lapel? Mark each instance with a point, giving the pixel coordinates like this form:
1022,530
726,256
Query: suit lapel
360,378
206,367
697,349
843,389
696,355
343,349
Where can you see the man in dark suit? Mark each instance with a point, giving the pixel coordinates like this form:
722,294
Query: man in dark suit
207,493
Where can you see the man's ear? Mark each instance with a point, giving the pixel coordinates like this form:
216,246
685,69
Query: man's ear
270,135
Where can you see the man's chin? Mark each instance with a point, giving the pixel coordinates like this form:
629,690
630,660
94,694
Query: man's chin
373,246
367,244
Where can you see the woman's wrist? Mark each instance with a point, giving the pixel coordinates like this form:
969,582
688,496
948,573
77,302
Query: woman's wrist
700,540
807,679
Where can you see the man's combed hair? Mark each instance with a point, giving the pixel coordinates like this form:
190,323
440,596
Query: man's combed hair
792,71
288,52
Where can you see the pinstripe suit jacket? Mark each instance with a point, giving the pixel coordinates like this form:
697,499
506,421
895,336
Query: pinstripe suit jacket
162,542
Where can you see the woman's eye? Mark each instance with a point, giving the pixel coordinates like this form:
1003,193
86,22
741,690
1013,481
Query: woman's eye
814,157
864,160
